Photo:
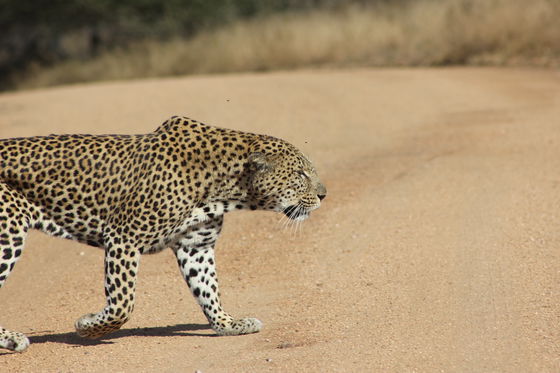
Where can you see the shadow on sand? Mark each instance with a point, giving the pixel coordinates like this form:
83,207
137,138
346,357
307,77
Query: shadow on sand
164,331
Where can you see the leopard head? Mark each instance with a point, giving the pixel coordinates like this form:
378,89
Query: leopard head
284,180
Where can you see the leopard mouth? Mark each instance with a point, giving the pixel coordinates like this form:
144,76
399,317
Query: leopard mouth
296,212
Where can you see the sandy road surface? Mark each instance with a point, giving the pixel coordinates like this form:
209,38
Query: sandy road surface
436,250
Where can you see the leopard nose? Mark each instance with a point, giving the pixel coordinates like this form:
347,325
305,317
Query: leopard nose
321,191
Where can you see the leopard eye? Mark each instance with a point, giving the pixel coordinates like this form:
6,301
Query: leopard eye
303,174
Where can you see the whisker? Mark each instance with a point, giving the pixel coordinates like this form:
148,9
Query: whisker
286,220
294,215
298,212
283,221
292,219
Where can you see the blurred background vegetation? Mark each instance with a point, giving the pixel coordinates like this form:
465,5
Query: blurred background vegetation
50,42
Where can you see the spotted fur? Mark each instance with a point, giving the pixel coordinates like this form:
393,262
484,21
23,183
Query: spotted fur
139,194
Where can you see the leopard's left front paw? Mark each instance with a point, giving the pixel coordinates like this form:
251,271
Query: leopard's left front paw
95,325
88,326
239,326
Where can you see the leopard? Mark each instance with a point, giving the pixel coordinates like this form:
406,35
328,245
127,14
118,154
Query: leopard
140,194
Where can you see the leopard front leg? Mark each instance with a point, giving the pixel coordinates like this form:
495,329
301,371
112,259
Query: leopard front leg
195,256
121,267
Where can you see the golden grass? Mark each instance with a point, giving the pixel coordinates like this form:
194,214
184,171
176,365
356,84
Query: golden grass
421,33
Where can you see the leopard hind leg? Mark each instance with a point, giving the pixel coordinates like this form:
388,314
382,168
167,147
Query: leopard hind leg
15,216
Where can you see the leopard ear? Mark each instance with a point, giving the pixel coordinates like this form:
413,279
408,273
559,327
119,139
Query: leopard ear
259,161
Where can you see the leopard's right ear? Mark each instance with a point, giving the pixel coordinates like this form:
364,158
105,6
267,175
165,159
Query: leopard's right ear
259,161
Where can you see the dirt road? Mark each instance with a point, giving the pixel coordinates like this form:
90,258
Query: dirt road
436,250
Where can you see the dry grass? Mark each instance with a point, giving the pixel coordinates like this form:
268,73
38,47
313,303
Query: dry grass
422,33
